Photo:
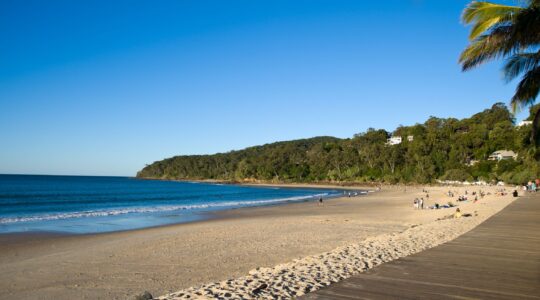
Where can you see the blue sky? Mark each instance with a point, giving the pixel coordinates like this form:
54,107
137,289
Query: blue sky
104,87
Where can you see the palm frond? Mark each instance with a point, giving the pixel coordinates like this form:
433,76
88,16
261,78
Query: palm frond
481,27
500,31
527,89
520,63
527,27
487,47
485,15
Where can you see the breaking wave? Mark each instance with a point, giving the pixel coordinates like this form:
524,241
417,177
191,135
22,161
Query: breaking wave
155,209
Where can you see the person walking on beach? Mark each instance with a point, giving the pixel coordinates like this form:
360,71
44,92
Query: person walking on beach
321,201
421,203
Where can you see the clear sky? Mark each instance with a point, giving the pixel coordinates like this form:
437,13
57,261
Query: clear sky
104,87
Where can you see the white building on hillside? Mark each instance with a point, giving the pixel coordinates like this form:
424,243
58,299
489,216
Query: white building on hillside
395,140
524,123
503,154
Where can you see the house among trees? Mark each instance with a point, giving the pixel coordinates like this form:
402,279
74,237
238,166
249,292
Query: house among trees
395,140
503,154
524,123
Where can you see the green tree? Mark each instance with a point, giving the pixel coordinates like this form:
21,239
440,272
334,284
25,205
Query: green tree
456,174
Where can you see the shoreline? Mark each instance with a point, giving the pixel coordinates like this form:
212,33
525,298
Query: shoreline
341,184
328,184
15,239
202,216
165,259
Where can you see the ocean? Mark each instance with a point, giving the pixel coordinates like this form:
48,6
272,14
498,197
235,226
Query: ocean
92,204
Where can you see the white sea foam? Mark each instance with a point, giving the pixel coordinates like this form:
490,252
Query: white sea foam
155,209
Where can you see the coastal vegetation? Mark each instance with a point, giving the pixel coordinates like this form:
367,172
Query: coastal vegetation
439,148
511,33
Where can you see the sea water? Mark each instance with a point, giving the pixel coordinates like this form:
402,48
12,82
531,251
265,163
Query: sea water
91,204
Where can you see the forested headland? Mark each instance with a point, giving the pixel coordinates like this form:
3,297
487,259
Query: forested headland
446,149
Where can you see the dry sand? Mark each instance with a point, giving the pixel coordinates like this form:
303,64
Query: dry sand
291,248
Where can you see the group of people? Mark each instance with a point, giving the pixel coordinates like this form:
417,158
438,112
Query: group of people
532,186
462,198
350,194
439,206
465,197
418,203
501,192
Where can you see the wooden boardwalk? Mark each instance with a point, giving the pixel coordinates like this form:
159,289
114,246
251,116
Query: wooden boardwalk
499,259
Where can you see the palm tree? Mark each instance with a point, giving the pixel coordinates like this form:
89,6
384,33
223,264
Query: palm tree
511,33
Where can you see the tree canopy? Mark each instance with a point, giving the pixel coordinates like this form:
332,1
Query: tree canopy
448,149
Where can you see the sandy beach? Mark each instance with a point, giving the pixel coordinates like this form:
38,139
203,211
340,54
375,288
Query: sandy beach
293,248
